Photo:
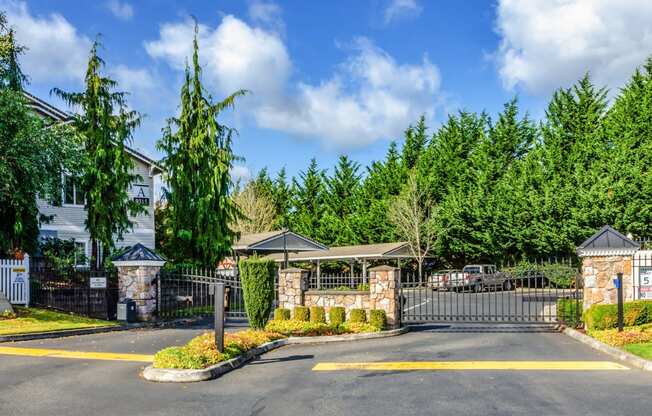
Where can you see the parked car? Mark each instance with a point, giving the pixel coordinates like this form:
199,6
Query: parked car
440,279
480,277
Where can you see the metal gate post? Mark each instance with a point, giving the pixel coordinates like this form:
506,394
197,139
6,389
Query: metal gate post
219,316
619,282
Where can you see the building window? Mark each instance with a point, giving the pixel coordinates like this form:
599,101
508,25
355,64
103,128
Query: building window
72,193
81,257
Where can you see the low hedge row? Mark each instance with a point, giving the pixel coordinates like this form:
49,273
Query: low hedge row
296,328
599,317
336,315
569,312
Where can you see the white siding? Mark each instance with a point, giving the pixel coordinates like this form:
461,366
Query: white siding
68,221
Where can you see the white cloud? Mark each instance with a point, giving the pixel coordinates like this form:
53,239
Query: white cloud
56,52
121,10
401,8
547,44
368,97
240,173
266,13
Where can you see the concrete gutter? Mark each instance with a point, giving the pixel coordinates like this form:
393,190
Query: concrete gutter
624,356
170,375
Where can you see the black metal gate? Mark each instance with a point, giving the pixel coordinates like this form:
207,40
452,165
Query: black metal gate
187,292
511,298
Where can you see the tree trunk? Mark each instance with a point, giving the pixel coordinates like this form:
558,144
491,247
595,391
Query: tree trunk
94,254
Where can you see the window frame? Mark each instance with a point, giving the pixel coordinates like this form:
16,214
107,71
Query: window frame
74,204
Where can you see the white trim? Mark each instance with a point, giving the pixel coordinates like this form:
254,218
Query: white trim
77,228
158,263
607,252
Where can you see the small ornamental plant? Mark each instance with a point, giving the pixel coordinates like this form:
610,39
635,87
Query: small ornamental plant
301,313
358,316
281,314
257,277
337,315
378,318
317,314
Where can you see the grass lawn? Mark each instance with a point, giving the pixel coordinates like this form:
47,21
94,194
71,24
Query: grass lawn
30,320
643,350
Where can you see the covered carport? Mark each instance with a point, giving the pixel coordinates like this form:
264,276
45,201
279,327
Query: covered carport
283,243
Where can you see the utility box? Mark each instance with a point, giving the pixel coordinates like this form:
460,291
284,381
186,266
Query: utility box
127,311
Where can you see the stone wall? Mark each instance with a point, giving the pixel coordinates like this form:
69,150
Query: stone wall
383,293
598,273
138,283
329,298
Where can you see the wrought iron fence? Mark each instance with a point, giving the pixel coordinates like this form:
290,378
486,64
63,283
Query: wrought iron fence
187,292
342,281
70,290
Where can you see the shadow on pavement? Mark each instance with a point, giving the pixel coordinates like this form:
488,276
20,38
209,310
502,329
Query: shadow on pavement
282,359
487,328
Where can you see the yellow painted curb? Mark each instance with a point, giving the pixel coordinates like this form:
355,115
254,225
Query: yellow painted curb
82,355
473,365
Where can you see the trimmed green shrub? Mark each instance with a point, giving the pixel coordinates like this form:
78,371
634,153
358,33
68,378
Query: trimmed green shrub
363,287
378,318
281,314
301,313
599,317
337,315
559,275
358,316
317,315
569,311
257,276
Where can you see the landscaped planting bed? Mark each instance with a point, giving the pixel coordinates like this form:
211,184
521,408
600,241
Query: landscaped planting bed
310,322
201,352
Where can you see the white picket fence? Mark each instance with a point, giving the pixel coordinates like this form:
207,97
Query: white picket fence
14,280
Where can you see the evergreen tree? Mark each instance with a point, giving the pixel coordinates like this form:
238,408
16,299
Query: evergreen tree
281,196
308,201
33,156
416,139
337,227
106,125
198,161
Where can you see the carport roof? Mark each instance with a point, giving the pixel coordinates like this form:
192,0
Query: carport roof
367,251
277,241
607,242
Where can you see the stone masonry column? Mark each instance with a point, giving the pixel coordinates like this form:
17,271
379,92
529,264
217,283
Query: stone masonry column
292,283
384,293
138,275
598,273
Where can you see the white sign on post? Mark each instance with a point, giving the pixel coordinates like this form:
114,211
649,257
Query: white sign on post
645,283
18,275
98,282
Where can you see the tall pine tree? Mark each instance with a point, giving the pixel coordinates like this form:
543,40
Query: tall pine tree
198,161
106,125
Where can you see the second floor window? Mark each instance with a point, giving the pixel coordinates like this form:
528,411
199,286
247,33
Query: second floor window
72,193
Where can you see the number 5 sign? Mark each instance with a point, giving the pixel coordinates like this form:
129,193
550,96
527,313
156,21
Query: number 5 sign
645,282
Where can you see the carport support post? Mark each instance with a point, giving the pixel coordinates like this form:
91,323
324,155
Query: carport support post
219,316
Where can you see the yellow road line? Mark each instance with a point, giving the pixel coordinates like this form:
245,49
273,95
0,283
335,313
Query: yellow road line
473,365
82,355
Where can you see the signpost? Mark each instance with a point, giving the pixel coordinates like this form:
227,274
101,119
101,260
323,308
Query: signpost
618,282
219,316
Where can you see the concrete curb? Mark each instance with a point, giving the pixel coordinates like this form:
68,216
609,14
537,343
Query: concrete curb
617,353
169,375
65,333
98,330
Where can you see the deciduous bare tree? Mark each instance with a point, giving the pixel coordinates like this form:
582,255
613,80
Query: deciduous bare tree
257,207
411,214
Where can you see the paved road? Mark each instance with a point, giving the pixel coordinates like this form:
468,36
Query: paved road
283,383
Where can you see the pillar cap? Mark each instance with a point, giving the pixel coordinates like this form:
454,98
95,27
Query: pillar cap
293,270
383,268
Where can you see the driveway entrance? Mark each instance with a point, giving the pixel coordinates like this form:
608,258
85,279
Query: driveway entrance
529,299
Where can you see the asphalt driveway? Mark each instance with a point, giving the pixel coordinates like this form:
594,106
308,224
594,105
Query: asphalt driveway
282,382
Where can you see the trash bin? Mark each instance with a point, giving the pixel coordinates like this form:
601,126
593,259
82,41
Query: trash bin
127,310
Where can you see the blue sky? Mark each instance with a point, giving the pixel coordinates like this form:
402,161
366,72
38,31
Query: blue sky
332,77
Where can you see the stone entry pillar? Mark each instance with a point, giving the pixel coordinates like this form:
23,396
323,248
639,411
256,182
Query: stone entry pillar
292,283
384,293
138,277
598,273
